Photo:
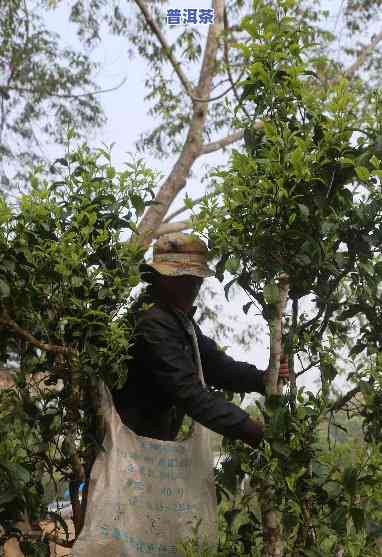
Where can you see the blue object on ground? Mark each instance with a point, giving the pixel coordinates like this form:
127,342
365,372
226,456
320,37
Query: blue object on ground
66,492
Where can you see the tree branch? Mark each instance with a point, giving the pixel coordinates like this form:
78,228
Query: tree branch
305,369
70,96
51,537
209,58
221,143
30,338
362,57
166,47
167,228
221,95
184,208
228,67
177,178
341,402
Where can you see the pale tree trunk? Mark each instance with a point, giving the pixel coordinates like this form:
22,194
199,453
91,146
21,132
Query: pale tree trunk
271,518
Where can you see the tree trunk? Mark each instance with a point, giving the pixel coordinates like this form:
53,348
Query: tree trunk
271,518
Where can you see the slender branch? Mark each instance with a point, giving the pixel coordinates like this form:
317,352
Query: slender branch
166,47
228,140
221,95
314,319
305,369
219,83
292,332
167,228
363,56
37,534
341,402
228,66
328,313
30,338
184,208
221,143
71,96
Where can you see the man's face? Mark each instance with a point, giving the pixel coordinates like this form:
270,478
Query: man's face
189,285
181,291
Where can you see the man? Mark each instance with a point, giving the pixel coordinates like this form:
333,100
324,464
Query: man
163,382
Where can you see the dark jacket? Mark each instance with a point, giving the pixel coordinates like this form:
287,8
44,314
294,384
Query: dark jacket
163,383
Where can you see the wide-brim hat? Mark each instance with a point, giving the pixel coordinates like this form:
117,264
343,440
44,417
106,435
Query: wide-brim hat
178,254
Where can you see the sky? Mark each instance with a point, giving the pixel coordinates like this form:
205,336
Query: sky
127,116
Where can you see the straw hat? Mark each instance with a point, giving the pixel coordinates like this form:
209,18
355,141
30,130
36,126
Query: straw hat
179,254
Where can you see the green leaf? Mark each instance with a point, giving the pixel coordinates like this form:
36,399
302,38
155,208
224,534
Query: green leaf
350,479
376,163
367,267
188,202
357,349
304,210
231,515
16,472
110,172
271,293
35,549
76,281
71,134
358,518
7,497
220,267
365,388
228,286
362,173
132,226
378,268
61,161
246,307
350,312
4,289
282,449
329,371
338,519
371,349
138,204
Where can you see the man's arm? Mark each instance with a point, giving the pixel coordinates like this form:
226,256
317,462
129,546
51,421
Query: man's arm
222,371
161,343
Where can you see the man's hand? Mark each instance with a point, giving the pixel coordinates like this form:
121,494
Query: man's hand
284,368
252,432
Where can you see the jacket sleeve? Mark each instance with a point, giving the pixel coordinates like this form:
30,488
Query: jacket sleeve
222,371
162,344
